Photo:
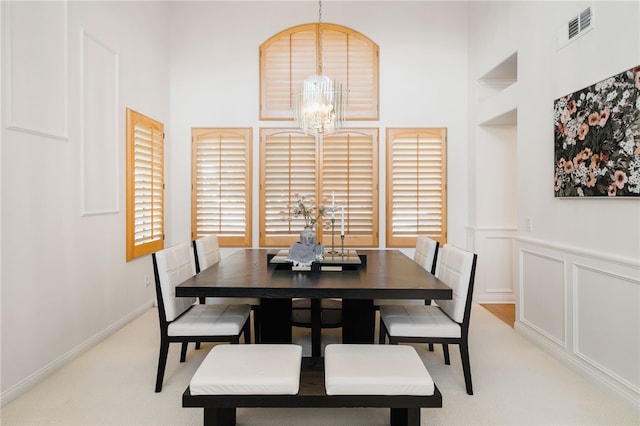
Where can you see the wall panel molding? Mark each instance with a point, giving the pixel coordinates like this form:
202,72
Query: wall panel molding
601,310
494,275
99,83
606,301
36,73
542,296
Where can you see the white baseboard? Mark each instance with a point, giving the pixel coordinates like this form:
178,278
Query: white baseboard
32,380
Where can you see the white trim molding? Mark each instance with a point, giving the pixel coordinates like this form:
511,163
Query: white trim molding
600,312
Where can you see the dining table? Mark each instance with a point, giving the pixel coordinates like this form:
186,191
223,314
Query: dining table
357,281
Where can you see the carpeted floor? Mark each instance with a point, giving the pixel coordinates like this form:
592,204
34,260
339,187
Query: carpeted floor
515,383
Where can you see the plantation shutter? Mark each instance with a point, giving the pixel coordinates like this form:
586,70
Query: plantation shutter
145,185
221,185
288,166
416,186
350,170
285,60
291,56
352,59
291,163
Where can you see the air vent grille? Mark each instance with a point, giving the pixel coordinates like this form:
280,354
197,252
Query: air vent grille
576,26
585,19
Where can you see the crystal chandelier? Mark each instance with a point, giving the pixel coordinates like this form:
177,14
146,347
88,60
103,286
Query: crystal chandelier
319,102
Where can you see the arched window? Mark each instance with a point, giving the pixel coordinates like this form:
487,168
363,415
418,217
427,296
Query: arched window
289,57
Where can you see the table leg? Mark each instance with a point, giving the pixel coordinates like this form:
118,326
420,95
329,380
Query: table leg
316,327
275,320
358,321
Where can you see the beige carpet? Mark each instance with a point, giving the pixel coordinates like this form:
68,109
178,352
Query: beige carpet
515,383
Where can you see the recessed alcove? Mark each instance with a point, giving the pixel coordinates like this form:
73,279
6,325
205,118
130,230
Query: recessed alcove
494,185
496,93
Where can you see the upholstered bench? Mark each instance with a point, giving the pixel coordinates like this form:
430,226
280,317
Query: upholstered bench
387,376
392,372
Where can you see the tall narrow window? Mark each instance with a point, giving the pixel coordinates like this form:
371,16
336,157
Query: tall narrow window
145,185
350,170
416,185
221,184
345,163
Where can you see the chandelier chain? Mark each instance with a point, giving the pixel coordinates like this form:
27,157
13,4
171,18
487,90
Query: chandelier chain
320,52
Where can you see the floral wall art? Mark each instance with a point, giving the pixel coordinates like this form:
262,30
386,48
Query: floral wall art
597,139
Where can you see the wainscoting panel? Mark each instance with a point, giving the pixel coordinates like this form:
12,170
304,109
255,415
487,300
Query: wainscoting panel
36,72
99,73
542,297
607,322
494,273
597,296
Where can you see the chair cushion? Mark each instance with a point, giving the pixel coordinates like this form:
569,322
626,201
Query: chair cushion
210,320
249,370
208,251
454,268
418,321
363,369
175,264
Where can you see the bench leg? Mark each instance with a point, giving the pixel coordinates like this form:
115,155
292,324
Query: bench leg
219,416
405,416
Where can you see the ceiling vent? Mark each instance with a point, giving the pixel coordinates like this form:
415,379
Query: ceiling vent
576,26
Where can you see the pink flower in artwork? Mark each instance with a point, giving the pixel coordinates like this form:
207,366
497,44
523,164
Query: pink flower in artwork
604,116
594,118
612,190
620,179
582,132
638,79
591,180
568,167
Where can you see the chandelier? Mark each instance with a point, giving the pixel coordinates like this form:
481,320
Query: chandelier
319,102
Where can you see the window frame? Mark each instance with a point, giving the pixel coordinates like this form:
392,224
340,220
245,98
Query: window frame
315,188
155,169
246,134
409,240
346,54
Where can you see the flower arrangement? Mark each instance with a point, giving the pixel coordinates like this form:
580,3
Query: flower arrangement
304,206
597,139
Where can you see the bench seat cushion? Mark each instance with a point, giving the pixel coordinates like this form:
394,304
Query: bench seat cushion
375,370
249,370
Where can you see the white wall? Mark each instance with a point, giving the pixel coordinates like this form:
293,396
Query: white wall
69,71
423,48
577,270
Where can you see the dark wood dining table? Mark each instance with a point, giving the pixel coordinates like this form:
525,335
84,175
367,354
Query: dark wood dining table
383,274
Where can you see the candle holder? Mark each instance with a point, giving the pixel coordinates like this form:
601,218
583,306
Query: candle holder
342,245
333,250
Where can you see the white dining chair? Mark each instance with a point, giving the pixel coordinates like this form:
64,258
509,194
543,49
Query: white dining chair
425,255
207,253
448,321
183,321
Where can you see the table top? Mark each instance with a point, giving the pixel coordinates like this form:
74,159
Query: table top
388,274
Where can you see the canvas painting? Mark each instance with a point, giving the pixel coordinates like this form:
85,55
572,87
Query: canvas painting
597,139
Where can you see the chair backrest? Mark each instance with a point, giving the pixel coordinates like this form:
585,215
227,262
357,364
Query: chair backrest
207,252
456,268
426,253
172,266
